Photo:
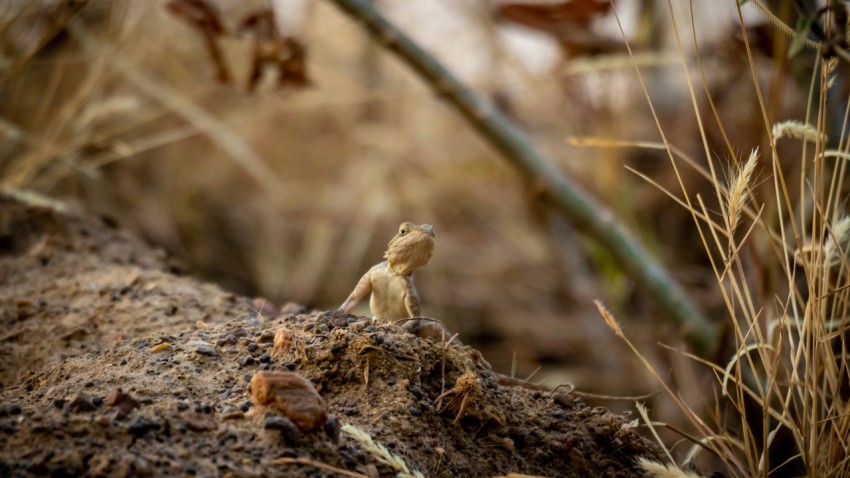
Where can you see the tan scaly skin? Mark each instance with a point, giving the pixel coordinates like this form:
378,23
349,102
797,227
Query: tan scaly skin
394,295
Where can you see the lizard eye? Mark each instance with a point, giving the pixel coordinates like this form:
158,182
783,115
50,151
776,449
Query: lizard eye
403,231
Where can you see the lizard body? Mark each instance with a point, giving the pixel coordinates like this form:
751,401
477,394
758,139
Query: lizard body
394,295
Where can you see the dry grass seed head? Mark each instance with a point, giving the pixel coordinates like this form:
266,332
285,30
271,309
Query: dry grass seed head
837,243
738,191
380,452
660,470
796,130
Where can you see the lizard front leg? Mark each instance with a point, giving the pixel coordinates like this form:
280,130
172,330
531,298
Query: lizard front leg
361,290
411,297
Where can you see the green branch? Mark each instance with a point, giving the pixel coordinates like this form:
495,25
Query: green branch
567,197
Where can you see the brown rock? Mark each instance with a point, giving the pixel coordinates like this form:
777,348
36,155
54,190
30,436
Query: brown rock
293,395
197,422
293,308
121,401
266,336
81,403
283,340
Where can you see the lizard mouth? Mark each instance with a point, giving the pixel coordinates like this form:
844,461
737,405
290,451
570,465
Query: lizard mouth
427,228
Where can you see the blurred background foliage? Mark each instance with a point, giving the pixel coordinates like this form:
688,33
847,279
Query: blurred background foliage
288,186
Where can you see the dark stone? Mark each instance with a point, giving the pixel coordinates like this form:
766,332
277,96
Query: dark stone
121,401
332,428
208,351
140,426
246,361
265,358
290,433
15,409
266,336
239,332
81,403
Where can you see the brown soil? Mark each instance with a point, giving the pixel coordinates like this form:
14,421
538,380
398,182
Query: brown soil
87,309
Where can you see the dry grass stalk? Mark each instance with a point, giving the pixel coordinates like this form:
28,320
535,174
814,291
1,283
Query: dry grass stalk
317,464
791,358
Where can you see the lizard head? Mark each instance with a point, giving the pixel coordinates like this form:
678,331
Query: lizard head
410,248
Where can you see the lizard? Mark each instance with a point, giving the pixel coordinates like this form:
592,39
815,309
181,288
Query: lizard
394,295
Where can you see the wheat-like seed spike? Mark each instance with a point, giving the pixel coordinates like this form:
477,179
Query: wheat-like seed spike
380,452
609,318
834,153
797,130
836,244
660,470
739,191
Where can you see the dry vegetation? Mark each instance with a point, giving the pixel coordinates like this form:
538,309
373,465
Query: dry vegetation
195,128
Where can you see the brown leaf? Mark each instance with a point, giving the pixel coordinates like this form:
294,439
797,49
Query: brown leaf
546,15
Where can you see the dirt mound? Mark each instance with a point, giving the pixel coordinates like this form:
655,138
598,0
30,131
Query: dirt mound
115,366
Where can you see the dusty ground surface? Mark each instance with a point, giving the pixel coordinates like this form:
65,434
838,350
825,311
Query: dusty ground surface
87,309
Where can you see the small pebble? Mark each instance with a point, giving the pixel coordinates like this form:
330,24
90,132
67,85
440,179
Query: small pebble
239,332
266,336
198,423
15,409
121,401
246,361
332,428
293,395
210,352
81,403
265,358
288,453
291,434
252,347
140,426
